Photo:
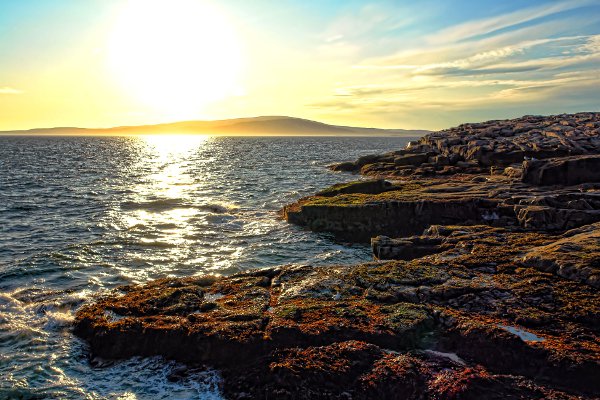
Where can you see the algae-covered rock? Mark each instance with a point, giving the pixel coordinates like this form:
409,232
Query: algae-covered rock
410,207
575,256
368,187
373,329
385,248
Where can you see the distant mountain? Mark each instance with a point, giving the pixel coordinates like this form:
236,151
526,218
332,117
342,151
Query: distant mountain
275,125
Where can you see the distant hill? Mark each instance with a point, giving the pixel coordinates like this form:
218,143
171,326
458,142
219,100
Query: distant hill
275,125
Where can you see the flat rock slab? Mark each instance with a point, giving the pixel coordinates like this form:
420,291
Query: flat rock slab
573,255
371,329
409,207
576,255
565,171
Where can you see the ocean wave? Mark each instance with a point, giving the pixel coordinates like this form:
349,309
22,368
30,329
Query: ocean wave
154,378
153,205
162,205
56,319
156,244
69,238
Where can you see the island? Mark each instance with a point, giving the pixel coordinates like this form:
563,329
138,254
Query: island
252,126
484,283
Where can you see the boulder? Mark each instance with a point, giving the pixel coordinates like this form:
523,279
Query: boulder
566,171
385,248
513,172
366,187
344,167
411,159
575,256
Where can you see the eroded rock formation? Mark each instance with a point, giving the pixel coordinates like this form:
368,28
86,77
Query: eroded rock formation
486,284
474,312
537,173
479,146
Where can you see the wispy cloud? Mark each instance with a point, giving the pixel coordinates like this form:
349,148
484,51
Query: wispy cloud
482,64
369,19
9,90
573,50
472,29
370,28
508,93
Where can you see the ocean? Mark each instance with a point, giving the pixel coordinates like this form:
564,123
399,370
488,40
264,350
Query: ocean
80,216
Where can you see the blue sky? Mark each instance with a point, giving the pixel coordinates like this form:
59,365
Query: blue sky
426,64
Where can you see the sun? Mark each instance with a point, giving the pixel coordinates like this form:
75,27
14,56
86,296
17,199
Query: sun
175,56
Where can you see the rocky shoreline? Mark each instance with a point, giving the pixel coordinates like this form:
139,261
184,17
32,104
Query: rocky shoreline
485,286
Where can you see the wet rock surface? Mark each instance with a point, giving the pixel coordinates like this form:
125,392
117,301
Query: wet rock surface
485,285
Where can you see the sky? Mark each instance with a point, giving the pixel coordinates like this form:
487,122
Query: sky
392,64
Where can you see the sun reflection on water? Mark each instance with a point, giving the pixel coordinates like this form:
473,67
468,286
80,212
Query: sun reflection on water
168,145
165,203
171,154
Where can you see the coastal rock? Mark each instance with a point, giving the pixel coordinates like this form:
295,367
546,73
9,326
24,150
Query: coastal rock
564,171
385,248
575,256
412,159
366,371
347,166
489,288
552,218
467,314
460,182
408,208
369,187
476,147
359,217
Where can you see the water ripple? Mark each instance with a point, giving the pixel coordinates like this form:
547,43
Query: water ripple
82,215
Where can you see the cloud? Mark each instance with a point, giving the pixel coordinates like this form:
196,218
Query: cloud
521,71
525,61
370,28
472,29
367,20
459,96
483,52
9,90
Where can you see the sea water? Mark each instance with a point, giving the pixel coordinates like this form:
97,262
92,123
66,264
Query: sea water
80,216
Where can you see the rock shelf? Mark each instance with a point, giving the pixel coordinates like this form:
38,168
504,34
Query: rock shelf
484,285
382,326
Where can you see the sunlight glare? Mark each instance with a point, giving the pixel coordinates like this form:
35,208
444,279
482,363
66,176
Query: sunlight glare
171,153
175,56
174,145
